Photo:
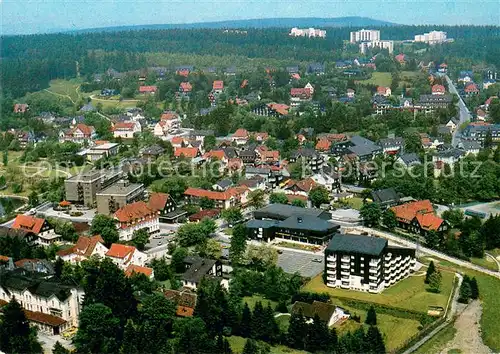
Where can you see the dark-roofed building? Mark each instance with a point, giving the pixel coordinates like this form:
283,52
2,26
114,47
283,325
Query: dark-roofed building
365,263
49,305
392,146
197,268
288,222
363,148
386,197
408,160
328,313
309,155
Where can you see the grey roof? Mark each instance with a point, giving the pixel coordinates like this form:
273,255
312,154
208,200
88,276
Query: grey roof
470,145
435,99
380,100
456,153
322,309
153,150
122,188
230,152
265,224
363,146
247,153
307,222
398,141
292,69
257,170
225,183
41,287
198,268
206,132
304,152
316,67
283,211
385,195
360,244
410,159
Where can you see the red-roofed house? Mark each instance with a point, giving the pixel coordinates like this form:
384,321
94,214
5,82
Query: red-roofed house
163,127
400,58
223,200
187,152
244,83
124,256
487,103
185,89
301,138
323,145
419,217
80,134
21,108
438,90
151,90
299,187
218,86
178,141
135,269
299,96
126,130
136,216
384,91
471,89
39,227
481,114
279,108
443,68
295,76
183,72
84,248
260,136
240,136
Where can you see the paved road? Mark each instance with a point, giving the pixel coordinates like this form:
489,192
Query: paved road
464,114
428,251
449,318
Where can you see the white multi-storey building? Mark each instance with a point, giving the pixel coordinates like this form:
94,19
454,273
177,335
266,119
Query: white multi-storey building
433,37
364,263
389,45
124,256
136,216
364,35
50,306
307,32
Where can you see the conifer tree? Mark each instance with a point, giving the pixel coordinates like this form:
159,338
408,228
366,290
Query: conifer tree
318,338
430,270
374,341
473,285
371,317
297,331
246,322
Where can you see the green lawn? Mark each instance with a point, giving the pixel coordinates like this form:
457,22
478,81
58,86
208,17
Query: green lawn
485,262
409,293
355,203
283,322
379,79
238,343
252,300
439,341
67,88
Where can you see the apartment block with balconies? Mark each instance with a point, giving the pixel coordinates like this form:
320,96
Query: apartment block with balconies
364,263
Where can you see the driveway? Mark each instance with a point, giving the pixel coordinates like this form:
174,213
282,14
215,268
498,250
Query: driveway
48,342
464,114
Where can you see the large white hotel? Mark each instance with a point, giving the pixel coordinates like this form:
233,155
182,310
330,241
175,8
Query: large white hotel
370,39
364,263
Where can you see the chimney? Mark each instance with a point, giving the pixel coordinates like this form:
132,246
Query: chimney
299,220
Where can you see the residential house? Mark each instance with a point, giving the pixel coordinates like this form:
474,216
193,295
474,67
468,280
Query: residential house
419,217
84,248
110,199
152,152
327,313
302,187
124,256
465,77
383,91
271,109
198,268
310,156
471,89
230,71
222,185
392,146
363,148
448,157
401,58
21,108
438,90
470,146
429,103
452,124
40,267
80,134
409,159
205,214
133,269
240,136
481,115
386,197
44,233
100,151
185,89
126,130
136,216
218,86
316,69
299,96
443,68
148,90
187,152
135,113
231,197
166,207
479,130
199,135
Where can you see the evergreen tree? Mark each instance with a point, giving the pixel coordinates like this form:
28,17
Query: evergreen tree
272,328
430,270
297,331
212,306
16,336
245,327
251,347
465,291
474,289
130,339
259,330
59,349
318,337
371,317
333,341
374,341
435,282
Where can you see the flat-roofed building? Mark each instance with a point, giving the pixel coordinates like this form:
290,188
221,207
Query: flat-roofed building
119,194
82,188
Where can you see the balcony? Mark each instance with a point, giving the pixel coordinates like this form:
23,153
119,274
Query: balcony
374,262
331,265
332,258
374,270
345,266
373,277
329,271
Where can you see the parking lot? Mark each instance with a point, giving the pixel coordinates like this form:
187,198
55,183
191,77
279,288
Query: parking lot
293,261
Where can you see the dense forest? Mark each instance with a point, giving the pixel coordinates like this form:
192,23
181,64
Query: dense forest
28,63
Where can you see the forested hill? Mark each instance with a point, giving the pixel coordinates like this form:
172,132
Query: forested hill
305,22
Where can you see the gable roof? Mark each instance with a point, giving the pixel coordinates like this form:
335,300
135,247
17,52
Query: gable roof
385,195
134,211
147,89
438,88
406,212
86,130
186,86
186,152
218,85
122,126
322,309
429,221
135,269
226,195
240,133
28,223
118,250
83,247
157,201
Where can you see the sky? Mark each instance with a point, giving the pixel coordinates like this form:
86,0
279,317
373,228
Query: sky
35,16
